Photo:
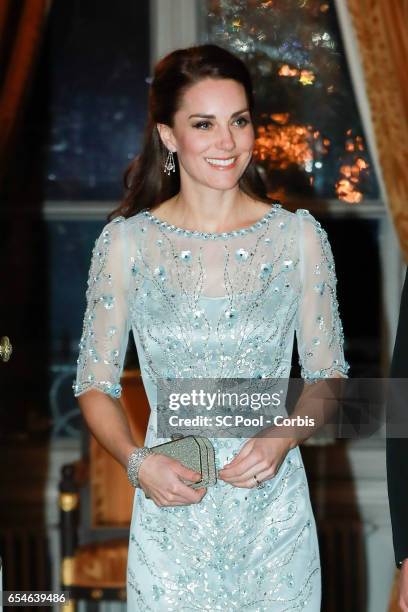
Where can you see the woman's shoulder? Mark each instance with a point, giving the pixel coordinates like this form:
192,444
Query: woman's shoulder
312,237
120,222
303,225
299,218
116,233
308,222
298,213
302,219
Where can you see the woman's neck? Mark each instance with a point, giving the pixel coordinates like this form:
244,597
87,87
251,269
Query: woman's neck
232,211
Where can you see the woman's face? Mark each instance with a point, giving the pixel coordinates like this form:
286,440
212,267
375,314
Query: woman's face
212,133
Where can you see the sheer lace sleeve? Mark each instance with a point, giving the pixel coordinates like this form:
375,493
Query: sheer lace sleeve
319,330
106,323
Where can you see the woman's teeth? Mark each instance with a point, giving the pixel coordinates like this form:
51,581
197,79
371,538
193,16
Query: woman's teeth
221,162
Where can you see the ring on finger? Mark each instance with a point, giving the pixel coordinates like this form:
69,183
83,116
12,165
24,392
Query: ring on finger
259,484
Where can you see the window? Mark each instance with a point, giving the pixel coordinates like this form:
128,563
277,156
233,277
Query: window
96,60
310,140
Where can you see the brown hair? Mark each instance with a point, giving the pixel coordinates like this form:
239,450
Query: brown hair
146,185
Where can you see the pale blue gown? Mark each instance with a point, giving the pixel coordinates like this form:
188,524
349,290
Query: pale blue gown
217,306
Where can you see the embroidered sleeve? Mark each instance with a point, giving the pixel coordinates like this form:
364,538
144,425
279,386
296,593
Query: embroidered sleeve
105,332
319,329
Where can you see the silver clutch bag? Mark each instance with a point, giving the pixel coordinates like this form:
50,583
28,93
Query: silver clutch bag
194,452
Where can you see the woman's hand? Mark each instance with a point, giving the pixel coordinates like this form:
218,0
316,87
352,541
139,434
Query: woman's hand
162,479
261,457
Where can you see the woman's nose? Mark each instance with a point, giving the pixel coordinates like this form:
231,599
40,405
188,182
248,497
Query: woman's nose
225,139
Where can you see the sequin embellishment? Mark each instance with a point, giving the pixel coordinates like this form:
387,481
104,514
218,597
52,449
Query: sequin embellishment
215,306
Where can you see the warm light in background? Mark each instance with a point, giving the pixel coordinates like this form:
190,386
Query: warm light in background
280,144
287,71
307,138
306,77
283,145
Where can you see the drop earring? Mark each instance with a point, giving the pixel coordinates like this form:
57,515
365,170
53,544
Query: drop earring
169,165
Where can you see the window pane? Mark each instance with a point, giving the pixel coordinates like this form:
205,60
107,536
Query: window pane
94,65
309,135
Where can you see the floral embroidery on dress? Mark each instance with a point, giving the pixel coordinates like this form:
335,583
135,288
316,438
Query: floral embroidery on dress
214,306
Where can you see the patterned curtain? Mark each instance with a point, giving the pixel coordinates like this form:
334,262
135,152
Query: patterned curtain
21,26
381,28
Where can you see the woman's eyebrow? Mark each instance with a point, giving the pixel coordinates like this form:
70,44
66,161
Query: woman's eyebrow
213,116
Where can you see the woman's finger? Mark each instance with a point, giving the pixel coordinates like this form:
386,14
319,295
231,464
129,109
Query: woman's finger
261,475
240,456
236,471
251,483
177,500
255,467
247,479
246,475
247,467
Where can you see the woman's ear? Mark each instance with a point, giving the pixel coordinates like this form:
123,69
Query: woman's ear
166,135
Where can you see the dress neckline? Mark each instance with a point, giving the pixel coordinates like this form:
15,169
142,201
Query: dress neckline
213,235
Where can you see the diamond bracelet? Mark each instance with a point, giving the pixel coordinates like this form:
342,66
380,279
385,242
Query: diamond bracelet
135,460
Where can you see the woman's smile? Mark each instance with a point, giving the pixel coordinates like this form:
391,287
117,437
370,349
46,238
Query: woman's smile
221,163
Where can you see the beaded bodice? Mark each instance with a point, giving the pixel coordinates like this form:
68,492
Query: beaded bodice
211,304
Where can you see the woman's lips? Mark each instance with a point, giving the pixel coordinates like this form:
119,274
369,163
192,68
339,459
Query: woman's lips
223,166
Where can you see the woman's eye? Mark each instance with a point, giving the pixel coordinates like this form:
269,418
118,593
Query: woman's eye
201,123
244,119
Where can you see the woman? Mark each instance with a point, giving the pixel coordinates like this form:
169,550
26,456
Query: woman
213,279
